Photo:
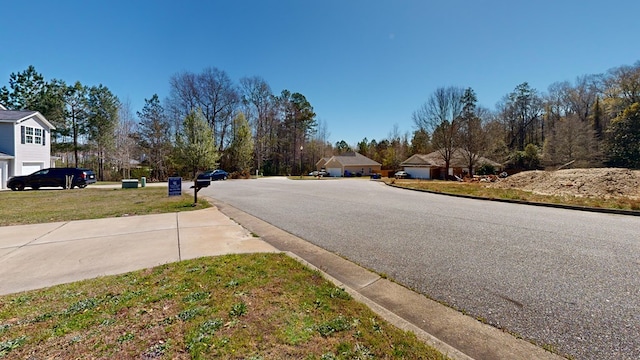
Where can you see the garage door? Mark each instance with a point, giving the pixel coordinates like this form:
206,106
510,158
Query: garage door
419,173
334,171
30,168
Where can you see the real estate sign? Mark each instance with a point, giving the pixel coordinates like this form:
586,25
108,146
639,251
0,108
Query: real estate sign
175,186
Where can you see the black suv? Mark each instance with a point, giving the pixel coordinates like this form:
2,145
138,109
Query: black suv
53,177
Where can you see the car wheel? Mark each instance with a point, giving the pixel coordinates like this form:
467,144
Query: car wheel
82,186
225,177
18,187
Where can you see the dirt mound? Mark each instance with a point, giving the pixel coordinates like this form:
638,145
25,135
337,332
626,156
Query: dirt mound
599,182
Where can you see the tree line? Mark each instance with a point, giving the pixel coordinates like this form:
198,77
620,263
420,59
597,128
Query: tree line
207,120
246,126
592,122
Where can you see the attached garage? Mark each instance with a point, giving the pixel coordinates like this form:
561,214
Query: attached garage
432,165
334,172
418,172
31,167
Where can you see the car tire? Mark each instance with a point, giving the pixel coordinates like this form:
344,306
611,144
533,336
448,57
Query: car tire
82,186
224,178
17,187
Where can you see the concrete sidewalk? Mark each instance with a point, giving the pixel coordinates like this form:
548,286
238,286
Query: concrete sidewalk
41,255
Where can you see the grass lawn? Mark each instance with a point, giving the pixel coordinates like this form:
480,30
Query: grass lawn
479,190
260,306
38,206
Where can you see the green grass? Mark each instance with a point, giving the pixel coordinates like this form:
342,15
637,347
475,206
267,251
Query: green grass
260,306
38,206
480,190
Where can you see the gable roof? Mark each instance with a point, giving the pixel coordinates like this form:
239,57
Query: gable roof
353,159
434,159
18,116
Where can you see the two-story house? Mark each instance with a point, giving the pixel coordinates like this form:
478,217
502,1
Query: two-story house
25,138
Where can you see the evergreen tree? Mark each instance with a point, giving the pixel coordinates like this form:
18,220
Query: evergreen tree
102,120
195,146
154,136
623,142
241,148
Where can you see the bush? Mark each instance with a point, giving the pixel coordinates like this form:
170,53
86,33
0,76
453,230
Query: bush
486,169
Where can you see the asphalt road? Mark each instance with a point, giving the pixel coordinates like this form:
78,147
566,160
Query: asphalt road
564,279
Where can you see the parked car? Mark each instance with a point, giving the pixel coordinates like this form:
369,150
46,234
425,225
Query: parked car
214,175
53,177
321,173
401,175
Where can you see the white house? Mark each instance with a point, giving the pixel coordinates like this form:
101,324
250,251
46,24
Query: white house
349,163
25,143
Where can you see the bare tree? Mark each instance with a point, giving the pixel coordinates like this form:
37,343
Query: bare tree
260,108
440,116
213,92
125,142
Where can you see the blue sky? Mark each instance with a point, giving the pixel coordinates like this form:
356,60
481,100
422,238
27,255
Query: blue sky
364,65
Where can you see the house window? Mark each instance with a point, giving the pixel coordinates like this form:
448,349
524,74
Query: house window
28,135
32,135
37,136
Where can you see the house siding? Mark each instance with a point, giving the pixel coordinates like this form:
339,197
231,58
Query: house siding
7,141
31,153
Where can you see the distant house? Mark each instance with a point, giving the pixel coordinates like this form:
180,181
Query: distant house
25,138
432,166
350,163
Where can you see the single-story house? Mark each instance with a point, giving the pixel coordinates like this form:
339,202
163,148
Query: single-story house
348,163
25,143
432,166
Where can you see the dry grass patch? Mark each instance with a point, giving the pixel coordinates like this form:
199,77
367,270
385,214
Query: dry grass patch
38,206
262,306
494,192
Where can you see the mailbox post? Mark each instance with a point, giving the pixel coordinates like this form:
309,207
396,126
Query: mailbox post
199,184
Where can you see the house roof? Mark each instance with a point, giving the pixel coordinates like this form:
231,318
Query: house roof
353,159
434,159
4,156
18,116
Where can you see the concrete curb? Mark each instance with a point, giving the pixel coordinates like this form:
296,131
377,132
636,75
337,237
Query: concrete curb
522,202
389,316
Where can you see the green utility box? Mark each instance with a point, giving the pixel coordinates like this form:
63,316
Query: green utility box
129,183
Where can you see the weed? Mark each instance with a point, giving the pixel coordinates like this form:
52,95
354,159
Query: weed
209,327
339,293
337,324
7,346
232,283
82,306
238,309
125,337
196,296
190,314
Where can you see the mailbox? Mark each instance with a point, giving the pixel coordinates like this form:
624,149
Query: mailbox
202,183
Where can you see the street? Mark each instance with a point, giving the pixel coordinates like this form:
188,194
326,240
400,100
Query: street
567,280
